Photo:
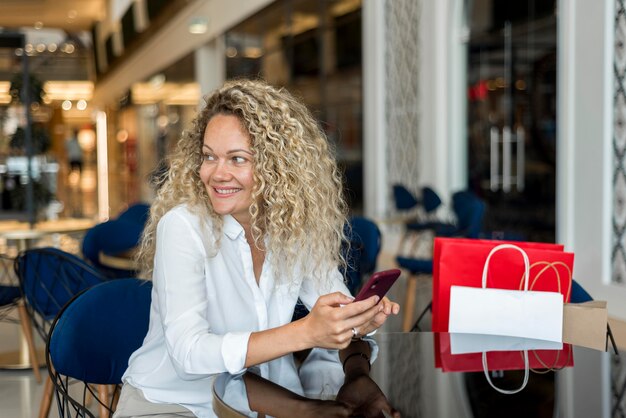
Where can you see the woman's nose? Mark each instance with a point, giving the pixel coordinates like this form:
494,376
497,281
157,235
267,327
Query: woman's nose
221,171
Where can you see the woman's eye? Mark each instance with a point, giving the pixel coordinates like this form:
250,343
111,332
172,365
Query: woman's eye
239,160
208,157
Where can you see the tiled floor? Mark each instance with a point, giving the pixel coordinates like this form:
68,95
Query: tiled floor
20,394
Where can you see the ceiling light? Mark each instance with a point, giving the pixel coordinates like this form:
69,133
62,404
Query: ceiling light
52,47
157,81
198,25
122,136
252,52
40,48
38,25
231,52
66,105
81,105
68,90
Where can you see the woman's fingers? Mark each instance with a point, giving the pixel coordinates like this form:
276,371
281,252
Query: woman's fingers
335,319
334,299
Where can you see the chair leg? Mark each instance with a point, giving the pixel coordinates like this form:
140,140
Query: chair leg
409,302
46,400
103,395
402,243
27,330
116,396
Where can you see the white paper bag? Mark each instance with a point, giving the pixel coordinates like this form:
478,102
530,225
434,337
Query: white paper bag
476,343
526,314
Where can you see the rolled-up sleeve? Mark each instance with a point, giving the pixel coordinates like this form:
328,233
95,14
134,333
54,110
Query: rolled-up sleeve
181,291
310,291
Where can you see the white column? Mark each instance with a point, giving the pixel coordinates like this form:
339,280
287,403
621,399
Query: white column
374,122
584,196
210,66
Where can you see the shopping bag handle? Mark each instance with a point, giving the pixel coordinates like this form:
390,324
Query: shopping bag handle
484,284
503,247
507,391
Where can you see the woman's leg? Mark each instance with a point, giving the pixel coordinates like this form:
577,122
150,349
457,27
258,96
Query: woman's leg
133,404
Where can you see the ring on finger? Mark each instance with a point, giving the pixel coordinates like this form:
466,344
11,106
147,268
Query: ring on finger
355,333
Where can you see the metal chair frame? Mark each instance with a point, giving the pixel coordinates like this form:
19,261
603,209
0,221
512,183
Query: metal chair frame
98,396
47,283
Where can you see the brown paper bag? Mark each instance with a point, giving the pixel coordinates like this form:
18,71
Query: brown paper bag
584,324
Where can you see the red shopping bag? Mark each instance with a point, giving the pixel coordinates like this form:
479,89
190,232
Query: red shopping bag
539,360
460,262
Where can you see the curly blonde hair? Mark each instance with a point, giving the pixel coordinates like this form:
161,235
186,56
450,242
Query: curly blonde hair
298,210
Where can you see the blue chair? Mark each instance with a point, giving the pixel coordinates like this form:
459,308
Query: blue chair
137,213
116,237
111,237
580,295
49,278
426,221
403,198
365,244
469,211
361,256
90,342
10,301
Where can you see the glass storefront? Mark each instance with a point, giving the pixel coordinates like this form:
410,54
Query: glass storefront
511,91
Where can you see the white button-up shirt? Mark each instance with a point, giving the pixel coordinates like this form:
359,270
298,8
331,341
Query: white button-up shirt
204,308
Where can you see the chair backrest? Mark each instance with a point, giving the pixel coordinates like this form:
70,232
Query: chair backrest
430,200
137,213
9,288
579,294
92,339
111,237
49,278
366,234
365,243
403,198
469,210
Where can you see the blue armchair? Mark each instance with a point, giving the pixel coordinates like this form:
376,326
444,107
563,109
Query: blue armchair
48,279
114,237
90,342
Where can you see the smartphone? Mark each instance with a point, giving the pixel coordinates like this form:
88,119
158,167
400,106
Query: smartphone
379,284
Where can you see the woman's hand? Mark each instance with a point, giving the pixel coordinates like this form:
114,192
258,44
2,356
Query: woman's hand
387,308
330,322
364,396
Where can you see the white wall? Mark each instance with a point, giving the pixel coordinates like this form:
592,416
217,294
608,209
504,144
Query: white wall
585,118
442,97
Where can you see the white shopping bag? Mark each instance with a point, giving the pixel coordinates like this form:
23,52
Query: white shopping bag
525,314
477,343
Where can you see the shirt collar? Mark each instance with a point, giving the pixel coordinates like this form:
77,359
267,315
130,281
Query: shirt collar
232,228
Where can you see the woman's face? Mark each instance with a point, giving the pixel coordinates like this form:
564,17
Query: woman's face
227,167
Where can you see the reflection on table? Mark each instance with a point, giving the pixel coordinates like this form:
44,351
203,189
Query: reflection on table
415,372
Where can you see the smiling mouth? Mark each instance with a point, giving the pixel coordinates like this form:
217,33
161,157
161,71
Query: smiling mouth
225,192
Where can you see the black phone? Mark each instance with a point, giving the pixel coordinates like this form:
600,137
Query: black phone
379,284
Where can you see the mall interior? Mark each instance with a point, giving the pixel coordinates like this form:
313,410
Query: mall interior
519,104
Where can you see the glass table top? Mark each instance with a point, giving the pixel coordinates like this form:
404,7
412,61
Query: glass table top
423,374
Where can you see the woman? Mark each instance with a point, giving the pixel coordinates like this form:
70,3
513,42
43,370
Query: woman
249,219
